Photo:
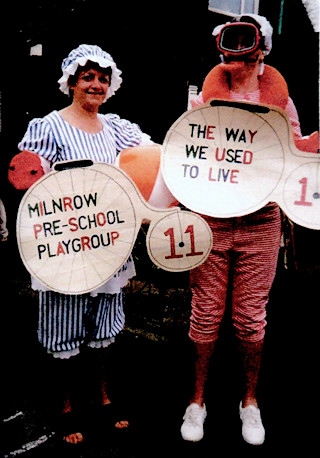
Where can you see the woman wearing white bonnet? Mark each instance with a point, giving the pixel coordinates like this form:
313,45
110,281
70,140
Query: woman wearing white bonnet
80,56
86,324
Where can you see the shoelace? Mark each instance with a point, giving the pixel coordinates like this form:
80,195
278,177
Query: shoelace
251,417
194,415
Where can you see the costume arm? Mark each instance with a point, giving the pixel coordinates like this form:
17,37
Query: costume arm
142,164
308,143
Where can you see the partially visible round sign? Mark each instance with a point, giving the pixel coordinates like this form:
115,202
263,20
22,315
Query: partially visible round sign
76,228
301,194
223,160
179,241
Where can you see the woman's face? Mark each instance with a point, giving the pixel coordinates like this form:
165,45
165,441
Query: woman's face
91,87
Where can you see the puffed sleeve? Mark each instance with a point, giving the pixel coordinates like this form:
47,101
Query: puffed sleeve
127,133
39,139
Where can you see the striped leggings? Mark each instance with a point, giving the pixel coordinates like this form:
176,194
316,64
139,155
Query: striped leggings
242,262
68,321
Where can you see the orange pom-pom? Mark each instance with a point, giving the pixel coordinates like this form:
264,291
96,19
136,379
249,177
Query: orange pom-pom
25,169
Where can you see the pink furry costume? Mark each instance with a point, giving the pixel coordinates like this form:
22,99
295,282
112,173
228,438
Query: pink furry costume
273,91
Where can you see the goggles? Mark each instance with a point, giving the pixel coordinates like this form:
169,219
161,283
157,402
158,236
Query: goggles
238,38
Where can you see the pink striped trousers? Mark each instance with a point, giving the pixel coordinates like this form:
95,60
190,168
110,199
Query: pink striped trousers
242,263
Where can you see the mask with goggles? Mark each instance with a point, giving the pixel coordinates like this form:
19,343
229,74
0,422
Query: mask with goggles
240,38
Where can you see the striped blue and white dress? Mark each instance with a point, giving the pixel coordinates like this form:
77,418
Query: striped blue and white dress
66,322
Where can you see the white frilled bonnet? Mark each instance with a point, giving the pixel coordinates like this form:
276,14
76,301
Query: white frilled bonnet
80,56
264,26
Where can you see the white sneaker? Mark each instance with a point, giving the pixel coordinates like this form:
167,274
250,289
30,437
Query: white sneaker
192,427
252,428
